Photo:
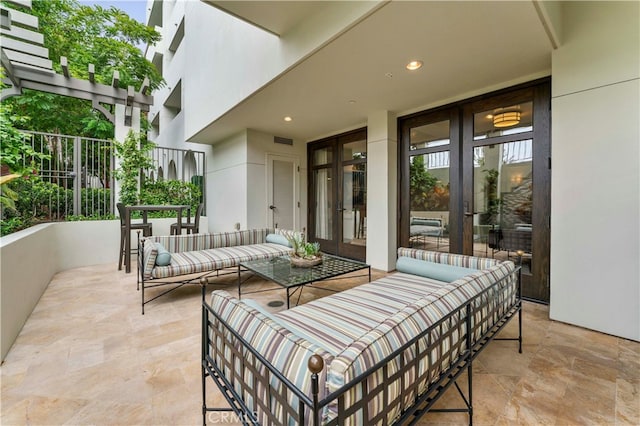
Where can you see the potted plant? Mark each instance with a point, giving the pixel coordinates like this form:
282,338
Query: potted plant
304,254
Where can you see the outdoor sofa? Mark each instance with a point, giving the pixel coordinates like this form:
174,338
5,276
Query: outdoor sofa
379,353
177,260
420,228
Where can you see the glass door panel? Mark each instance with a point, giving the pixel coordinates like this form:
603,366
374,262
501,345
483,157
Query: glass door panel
503,194
429,187
503,121
354,207
323,189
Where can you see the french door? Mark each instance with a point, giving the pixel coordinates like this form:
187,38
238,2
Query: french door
338,196
475,179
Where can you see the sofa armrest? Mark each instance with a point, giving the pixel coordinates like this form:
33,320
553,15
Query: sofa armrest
149,255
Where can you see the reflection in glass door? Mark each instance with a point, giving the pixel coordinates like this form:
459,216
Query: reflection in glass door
482,168
503,191
323,189
429,186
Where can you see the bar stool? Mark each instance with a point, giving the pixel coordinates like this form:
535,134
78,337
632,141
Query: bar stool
126,233
192,228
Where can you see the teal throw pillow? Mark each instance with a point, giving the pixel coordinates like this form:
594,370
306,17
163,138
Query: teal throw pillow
436,271
164,257
278,239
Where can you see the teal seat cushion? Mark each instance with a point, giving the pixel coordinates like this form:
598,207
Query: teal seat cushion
433,270
164,257
278,239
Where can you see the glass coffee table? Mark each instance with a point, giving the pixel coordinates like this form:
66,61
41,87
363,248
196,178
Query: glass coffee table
280,271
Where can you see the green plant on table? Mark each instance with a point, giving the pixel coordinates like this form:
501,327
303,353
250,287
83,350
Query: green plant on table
303,249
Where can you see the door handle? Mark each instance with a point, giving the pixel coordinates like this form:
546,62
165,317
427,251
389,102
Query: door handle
340,210
272,207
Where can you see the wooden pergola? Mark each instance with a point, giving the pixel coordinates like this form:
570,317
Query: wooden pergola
27,66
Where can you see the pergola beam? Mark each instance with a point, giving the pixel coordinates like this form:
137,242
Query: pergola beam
92,73
106,94
64,63
145,86
116,78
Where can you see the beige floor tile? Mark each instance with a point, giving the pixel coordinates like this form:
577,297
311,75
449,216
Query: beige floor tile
87,356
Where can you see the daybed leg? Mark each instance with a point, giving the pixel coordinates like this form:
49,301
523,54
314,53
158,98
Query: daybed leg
239,282
520,254
315,365
140,250
470,383
203,339
141,274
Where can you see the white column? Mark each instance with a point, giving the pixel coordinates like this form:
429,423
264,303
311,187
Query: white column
382,190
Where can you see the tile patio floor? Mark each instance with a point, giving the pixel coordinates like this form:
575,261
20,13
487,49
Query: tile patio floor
87,356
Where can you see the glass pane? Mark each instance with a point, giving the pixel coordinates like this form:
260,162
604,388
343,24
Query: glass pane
429,193
324,208
354,213
322,156
354,150
508,120
503,189
434,134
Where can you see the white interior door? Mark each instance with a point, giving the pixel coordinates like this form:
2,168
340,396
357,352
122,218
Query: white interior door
283,183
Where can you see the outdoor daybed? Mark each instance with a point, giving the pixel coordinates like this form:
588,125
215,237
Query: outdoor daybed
379,353
190,257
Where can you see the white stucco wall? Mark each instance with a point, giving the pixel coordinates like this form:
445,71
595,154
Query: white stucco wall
227,184
230,59
595,206
261,144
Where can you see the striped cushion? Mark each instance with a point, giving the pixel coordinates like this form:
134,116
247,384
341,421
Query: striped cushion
284,350
194,242
382,340
192,262
149,257
464,261
331,320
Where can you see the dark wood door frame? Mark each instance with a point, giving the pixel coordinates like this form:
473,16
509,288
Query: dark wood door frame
335,245
461,171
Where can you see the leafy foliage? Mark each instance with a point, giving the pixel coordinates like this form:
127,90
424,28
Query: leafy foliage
134,157
86,35
425,191
171,192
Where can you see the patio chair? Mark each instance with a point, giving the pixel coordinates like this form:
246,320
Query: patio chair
125,233
191,227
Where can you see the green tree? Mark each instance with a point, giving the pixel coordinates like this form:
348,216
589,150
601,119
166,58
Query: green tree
86,35
421,183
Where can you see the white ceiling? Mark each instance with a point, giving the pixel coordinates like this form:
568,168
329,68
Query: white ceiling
277,17
468,48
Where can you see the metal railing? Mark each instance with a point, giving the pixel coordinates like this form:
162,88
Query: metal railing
77,178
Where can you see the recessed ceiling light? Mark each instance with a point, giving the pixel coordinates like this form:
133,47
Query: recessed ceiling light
352,101
414,65
287,118
390,75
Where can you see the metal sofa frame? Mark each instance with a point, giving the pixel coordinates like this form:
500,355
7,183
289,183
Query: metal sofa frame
485,315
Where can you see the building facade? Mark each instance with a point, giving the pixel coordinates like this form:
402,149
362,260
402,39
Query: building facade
310,119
